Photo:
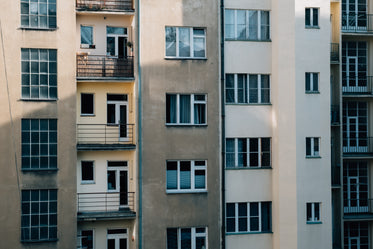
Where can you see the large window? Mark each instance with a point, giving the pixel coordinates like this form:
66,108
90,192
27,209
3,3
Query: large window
39,215
87,171
186,109
186,176
184,42
38,14
312,17
39,144
247,89
86,36
39,73
248,152
313,212
247,25
87,104
248,217
356,234
187,238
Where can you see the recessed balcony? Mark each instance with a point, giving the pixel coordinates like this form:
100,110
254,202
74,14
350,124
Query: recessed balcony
358,147
334,53
334,115
358,206
105,5
104,68
357,23
103,137
106,206
357,86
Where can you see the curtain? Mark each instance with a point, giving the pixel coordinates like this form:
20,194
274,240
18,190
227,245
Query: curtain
185,109
199,114
185,175
171,108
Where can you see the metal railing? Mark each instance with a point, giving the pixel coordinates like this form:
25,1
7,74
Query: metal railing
106,202
105,133
357,85
357,206
104,5
358,145
336,176
334,52
360,22
334,114
98,66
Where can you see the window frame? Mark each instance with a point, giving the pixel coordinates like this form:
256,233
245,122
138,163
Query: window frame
88,45
193,169
93,236
26,210
311,20
313,153
236,218
192,36
81,105
313,218
247,90
247,25
47,15
193,103
81,172
194,236
311,83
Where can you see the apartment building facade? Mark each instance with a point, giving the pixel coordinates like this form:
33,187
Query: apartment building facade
38,189
106,116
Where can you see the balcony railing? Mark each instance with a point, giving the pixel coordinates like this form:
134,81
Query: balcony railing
358,145
104,5
100,66
334,115
106,202
105,134
357,85
360,22
334,52
358,206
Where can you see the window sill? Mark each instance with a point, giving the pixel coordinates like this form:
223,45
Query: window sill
247,168
248,104
243,233
87,115
186,58
39,241
39,100
87,46
40,170
312,92
186,191
314,222
38,29
87,182
312,27
248,40
186,125
313,157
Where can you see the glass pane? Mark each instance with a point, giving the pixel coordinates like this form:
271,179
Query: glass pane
229,24
171,175
172,238
170,41
111,180
186,238
241,24
253,24
200,179
185,109
184,42
171,108
185,175
199,47
86,35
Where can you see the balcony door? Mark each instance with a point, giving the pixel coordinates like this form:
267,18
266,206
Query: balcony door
353,243
355,187
355,202
116,41
117,181
354,15
355,127
117,239
117,115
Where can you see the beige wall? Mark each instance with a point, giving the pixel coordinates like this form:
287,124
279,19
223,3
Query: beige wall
63,109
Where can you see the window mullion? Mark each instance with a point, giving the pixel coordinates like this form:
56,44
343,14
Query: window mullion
193,238
259,88
248,216
236,217
192,175
179,238
313,211
312,148
259,23
235,88
260,152
248,152
260,216
178,175
236,152
248,88
192,109
178,112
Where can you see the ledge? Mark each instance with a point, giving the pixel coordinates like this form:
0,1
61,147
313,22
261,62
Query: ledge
37,29
41,171
103,79
249,104
104,147
39,100
248,168
313,157
185,58
246,40
243,233
38,241
115,215
313,222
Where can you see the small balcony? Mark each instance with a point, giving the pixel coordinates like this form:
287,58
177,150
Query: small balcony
334,53
358,206
334,115
106,205
357,23
357,85
102,137
101,67
105,5
358,146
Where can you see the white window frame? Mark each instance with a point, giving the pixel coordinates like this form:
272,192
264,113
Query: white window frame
117,170
81,237
191,42
247,87
117,236
116,37
194,235
313,218
313,88
193,169
313,152
81,172
247,25
248,152
248,216
85,45
192,103
312,9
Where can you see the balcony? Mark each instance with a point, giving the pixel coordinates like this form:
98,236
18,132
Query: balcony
357,85
101,67
358,146
357,23
334,53
102,137
104,5
106,205
334,115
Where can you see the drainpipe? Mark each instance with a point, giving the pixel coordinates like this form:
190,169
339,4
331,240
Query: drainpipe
139,126
222,76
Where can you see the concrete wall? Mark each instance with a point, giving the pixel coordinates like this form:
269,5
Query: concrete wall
13,179
160,142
